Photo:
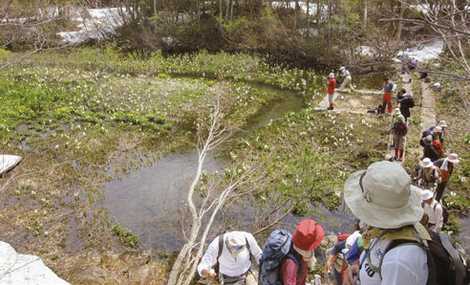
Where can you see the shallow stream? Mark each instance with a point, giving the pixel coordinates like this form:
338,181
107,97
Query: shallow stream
149,201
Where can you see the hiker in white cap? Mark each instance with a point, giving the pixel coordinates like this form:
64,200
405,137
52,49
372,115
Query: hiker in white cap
427,174
232,252
347,79
445,167
382,197
433,210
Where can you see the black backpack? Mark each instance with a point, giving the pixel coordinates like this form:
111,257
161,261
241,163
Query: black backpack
446,264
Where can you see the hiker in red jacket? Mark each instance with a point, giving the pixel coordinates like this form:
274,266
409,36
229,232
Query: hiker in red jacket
306,238
387,99
331,90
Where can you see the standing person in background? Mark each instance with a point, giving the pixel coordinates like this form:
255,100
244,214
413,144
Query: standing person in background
445,167
331,90
406,102
387,98
433,210
347,79
232,251
399,130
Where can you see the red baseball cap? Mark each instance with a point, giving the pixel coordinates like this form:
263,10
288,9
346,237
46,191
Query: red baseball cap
308,235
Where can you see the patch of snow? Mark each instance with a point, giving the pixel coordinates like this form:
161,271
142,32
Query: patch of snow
96,25
366,51
24,269
312,8
424,52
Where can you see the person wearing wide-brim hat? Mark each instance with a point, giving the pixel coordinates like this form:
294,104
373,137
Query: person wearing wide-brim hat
445,167
382,197
427,174
433,209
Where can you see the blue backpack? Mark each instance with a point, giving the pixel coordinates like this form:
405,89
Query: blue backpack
277,248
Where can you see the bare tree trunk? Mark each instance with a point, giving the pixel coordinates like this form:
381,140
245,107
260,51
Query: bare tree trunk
400,23
184,268
364,19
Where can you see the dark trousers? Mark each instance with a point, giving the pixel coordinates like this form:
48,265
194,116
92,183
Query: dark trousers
440,190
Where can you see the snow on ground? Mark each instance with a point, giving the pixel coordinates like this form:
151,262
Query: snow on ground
366,51
424,52
94,24
24,269
312,8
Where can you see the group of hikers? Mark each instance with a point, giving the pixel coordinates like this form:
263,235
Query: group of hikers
397,238
395,241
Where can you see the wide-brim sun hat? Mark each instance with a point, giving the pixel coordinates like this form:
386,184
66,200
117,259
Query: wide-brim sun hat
307,236
426,195
453,158
426,163
382,196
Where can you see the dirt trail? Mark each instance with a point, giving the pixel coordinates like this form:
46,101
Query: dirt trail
428,102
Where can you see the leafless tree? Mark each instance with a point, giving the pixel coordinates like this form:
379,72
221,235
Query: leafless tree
203,214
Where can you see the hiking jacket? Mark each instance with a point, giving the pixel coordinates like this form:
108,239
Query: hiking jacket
430,152
444,173
292,274
228,264
331,86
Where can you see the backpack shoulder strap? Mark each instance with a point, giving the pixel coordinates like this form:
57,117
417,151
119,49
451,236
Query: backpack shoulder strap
221,246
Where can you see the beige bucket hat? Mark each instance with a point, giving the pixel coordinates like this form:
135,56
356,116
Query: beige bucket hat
382,196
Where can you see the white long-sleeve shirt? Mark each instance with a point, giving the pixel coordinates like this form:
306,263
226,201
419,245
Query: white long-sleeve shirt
228,264
434,212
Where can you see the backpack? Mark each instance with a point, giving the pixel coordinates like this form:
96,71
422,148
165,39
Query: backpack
400,128
446,264
277,248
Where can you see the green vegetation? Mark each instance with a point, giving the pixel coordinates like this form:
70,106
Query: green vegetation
125,236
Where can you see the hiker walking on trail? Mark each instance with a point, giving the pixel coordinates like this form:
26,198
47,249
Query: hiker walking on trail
286,257
427,174
428,149
440,131
399,130
387,98
331,90
382,196
437,141
445,167
232,253
433,210
347,79
406,102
